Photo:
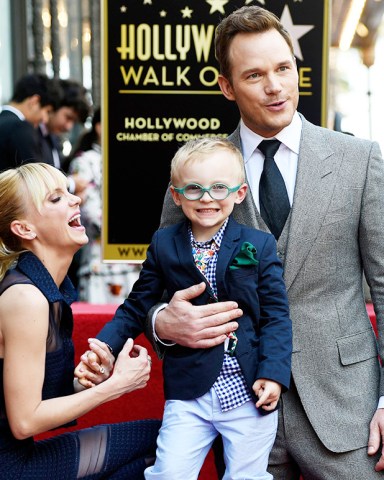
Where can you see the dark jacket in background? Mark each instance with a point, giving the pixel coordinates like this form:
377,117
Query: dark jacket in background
19,142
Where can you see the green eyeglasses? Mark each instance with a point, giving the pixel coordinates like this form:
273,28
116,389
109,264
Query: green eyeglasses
217,191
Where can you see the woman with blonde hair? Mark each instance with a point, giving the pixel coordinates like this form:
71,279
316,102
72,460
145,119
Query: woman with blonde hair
40,231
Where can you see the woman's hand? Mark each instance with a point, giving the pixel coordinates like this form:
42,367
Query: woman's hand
132,368
96,364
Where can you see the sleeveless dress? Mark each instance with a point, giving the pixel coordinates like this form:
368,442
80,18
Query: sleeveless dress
115,451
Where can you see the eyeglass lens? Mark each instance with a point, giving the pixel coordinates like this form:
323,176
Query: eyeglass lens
217,191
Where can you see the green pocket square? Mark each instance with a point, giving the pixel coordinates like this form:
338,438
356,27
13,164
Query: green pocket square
245,258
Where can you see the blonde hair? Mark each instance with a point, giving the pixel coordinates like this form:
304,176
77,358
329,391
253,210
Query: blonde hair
195,150
19,187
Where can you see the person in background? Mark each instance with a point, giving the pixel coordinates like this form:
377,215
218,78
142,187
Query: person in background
98,282
40,230
34,97
74,108
331,421
231,389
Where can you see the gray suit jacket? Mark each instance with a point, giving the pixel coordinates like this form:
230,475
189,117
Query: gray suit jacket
335,232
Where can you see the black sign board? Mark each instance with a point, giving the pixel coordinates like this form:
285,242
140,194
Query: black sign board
160,90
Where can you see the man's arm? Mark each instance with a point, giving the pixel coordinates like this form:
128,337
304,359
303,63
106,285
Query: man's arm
372,254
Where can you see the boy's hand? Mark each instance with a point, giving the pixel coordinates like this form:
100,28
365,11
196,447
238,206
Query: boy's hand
96,364
268,392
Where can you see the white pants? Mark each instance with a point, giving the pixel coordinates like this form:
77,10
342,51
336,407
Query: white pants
190,427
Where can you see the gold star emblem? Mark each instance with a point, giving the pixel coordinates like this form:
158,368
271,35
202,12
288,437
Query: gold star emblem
217,5
123,9
186,12
163,13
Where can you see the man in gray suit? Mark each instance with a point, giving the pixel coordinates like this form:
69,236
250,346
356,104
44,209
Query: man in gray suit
331,421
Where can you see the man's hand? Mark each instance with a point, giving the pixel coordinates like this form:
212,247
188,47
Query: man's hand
193,326
376,433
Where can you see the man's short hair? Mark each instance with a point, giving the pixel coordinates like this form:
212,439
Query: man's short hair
75,96
40,84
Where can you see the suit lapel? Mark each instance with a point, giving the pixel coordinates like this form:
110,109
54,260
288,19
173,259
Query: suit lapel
228,245
317,170
183,247
246,212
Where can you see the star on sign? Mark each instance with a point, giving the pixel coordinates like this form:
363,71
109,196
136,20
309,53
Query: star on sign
296,31
186,12
217,5
163,13
123,9
147,2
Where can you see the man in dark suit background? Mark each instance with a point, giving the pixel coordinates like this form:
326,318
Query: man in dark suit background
35,95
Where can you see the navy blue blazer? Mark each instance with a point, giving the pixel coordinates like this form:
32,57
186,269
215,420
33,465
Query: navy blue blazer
264,334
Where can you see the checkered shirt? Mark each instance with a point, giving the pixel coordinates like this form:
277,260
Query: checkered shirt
230,385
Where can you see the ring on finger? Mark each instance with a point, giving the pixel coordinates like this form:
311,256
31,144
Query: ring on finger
102,370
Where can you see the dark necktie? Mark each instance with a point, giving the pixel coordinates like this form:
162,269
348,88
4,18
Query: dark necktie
274,201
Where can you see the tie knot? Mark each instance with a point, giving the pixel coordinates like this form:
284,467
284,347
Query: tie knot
269,147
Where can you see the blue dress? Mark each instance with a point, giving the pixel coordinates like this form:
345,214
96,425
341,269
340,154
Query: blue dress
111,451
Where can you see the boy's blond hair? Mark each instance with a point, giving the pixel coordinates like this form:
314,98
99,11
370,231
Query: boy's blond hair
195,150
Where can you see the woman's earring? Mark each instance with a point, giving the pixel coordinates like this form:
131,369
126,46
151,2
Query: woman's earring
32,234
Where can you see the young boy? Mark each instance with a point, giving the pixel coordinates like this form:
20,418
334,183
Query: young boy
232,389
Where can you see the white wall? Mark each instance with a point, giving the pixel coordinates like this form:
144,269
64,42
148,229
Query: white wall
6,81
358,92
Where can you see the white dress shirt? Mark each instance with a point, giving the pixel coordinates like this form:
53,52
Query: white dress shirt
286,157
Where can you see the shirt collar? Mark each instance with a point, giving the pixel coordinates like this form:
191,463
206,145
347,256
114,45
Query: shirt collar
289,136
14,110
33,268
217,238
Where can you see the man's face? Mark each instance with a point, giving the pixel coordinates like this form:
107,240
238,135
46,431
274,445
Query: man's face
62,120
264,81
